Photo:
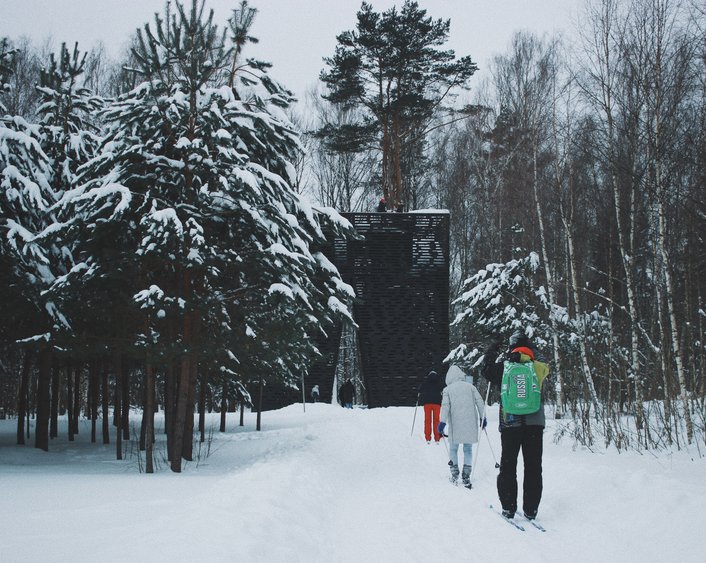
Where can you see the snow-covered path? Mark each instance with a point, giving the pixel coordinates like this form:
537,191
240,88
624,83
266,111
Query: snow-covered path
340,485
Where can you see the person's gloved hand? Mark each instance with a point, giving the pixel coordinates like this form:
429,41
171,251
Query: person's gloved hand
483,423
440,428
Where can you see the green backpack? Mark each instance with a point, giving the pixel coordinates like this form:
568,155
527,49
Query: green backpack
520,392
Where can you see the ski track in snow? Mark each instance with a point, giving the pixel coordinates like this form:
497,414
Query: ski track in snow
339,485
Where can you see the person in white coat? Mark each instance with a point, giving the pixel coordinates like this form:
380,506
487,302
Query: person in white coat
463,409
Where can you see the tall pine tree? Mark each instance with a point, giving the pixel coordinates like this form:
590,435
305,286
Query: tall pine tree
188,219
393,67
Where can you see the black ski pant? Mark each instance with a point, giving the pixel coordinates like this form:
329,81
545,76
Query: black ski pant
529,439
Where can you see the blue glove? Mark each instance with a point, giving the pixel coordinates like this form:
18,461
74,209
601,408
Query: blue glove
483,423
440,428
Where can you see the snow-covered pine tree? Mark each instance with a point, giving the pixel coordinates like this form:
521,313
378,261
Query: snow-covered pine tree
66,110
188,211
503,299
25,262
6,54
39,163
69,143
496,302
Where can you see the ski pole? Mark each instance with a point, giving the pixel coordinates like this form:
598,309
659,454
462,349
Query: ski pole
480,427
490,445
497,465
415,415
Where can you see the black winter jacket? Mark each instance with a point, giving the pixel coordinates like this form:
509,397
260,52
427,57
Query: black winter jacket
431,388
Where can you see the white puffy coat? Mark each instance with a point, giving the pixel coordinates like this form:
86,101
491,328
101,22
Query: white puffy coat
462,407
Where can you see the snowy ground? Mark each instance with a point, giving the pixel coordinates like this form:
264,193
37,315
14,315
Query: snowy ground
340,485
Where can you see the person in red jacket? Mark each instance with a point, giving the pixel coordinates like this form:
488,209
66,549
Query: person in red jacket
430,396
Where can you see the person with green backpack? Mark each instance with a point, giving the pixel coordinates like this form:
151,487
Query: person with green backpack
520,379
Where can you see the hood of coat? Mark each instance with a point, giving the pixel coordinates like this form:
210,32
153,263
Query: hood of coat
454,374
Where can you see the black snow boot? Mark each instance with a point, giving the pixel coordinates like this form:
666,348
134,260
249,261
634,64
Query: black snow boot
530,514
508,513
466,476
454,472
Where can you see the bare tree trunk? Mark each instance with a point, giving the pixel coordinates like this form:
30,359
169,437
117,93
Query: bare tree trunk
22,396
259,404
41,432
180,415
93,384
117,402
674,331
77,398
397,195
105,398
668,396
560,397
579,315
182,390
658,44
143,423
69,402
125,402
169,405
224,404
202,405
148,416
55,398
188,447
605,50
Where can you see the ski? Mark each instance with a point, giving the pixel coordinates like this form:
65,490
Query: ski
534,523
508,520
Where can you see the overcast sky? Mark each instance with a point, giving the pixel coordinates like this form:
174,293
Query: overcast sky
294,34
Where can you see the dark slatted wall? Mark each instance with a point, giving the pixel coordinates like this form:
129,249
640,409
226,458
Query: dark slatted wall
400,273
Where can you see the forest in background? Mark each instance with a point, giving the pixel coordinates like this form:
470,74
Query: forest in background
574,176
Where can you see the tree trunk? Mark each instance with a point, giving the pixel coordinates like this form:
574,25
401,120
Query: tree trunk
169,406
93,382
182,397
588,377
77,397
22,396
117,400
673,327
202,405
69,402
105,398
396,142
259,404
188,444
143,424
148,417
55,398
224,404
557,373
182,392
661,108
605,36
125,401
41,431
